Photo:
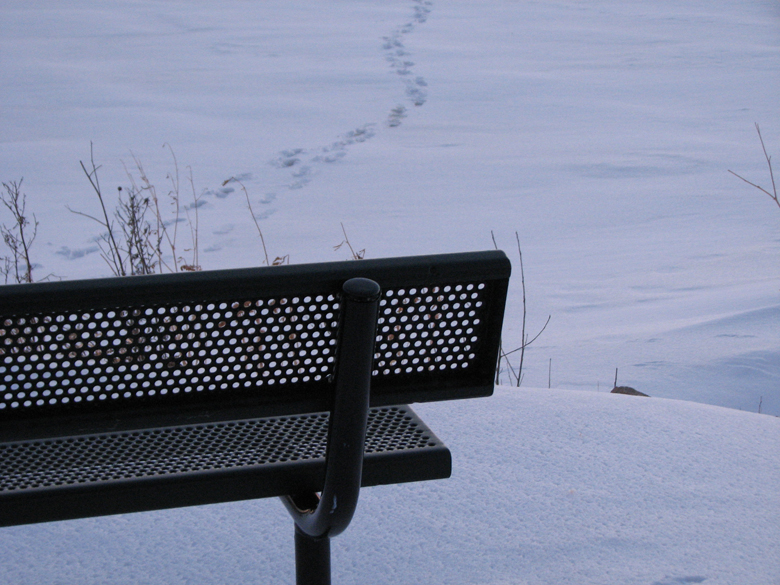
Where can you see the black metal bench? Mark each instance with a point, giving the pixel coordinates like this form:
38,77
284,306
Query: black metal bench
154,392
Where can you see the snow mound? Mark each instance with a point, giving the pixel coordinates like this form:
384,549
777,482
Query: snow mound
548,486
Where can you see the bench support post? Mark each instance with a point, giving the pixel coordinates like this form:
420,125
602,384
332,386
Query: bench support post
312,559
318,518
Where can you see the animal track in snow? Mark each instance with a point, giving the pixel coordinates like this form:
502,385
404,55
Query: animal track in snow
224,229
301,164
682,580
66,252
398,57
223,191
396,115
288,158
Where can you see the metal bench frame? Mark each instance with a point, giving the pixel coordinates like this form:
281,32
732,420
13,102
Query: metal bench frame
144,393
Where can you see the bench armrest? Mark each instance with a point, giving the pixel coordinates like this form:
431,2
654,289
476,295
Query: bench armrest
330,513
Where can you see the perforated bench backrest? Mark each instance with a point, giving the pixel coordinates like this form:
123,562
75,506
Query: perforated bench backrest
238,343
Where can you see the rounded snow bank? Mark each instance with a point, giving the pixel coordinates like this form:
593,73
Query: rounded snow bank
548,487
556,486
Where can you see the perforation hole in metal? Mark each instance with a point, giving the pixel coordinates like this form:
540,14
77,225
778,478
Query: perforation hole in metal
137,454
429,329
393,428
118,354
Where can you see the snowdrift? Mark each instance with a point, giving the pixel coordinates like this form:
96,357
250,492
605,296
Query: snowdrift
549,486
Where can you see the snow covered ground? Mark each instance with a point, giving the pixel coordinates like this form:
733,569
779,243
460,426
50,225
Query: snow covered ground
602,132
548,487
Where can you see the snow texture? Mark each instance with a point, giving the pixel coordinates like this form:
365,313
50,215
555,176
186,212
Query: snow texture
600,131
548,486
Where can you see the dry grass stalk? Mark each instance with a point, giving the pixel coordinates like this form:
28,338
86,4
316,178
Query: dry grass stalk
131,243
279,260
194,264
359,255
19,237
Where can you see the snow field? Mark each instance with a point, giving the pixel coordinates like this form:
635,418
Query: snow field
548,486
602,132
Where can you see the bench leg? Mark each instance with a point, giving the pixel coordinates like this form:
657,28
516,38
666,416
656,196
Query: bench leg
312,559
318,518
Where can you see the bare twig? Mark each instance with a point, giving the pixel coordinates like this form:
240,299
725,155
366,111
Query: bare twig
532,340
359,255
18,237
112,257
549,375
522,281
504,355
174,195
772,195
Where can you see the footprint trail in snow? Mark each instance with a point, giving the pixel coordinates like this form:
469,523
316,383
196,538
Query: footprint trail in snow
398,57
300,164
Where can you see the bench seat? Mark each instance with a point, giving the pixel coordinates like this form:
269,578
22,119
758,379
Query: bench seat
62,478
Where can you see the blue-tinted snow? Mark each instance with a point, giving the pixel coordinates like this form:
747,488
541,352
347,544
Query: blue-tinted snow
601,131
